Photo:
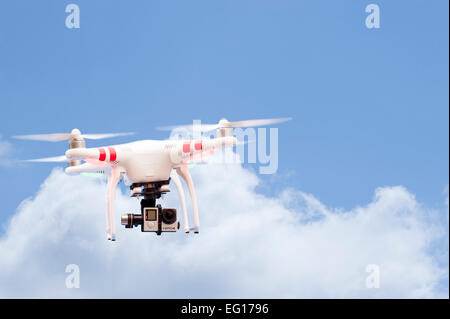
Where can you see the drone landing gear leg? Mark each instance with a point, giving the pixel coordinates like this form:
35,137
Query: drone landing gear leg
113,180
184,173
176,180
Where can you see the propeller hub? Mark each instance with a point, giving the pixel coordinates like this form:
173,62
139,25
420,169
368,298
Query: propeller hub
76,132
223,122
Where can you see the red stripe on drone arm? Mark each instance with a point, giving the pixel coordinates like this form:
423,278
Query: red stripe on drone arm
112,154
198,145
187,147
102,155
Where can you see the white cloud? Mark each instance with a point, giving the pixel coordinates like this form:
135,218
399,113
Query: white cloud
249,245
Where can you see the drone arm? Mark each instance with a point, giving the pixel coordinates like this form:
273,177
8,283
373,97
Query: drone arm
113,180
100,155
82,153
183,171
199,150
87,167
218,143
176,180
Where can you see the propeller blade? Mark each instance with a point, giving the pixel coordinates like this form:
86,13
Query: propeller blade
209,127
62,158
198,128
263,122
108,135
67,136
45,137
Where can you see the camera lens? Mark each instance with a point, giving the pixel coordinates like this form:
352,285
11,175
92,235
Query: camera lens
130,220
169,216
124,220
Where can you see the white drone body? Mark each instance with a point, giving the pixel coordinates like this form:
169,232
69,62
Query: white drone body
146,162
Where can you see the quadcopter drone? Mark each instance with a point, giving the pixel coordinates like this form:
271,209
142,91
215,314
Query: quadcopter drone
147,166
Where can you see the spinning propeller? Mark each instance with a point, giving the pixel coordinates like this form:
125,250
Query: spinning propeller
75,134
61,158
75,137
223,123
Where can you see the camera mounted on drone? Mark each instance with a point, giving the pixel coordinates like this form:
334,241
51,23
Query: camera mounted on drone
153,218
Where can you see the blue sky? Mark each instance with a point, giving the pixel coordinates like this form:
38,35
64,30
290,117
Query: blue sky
370,107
